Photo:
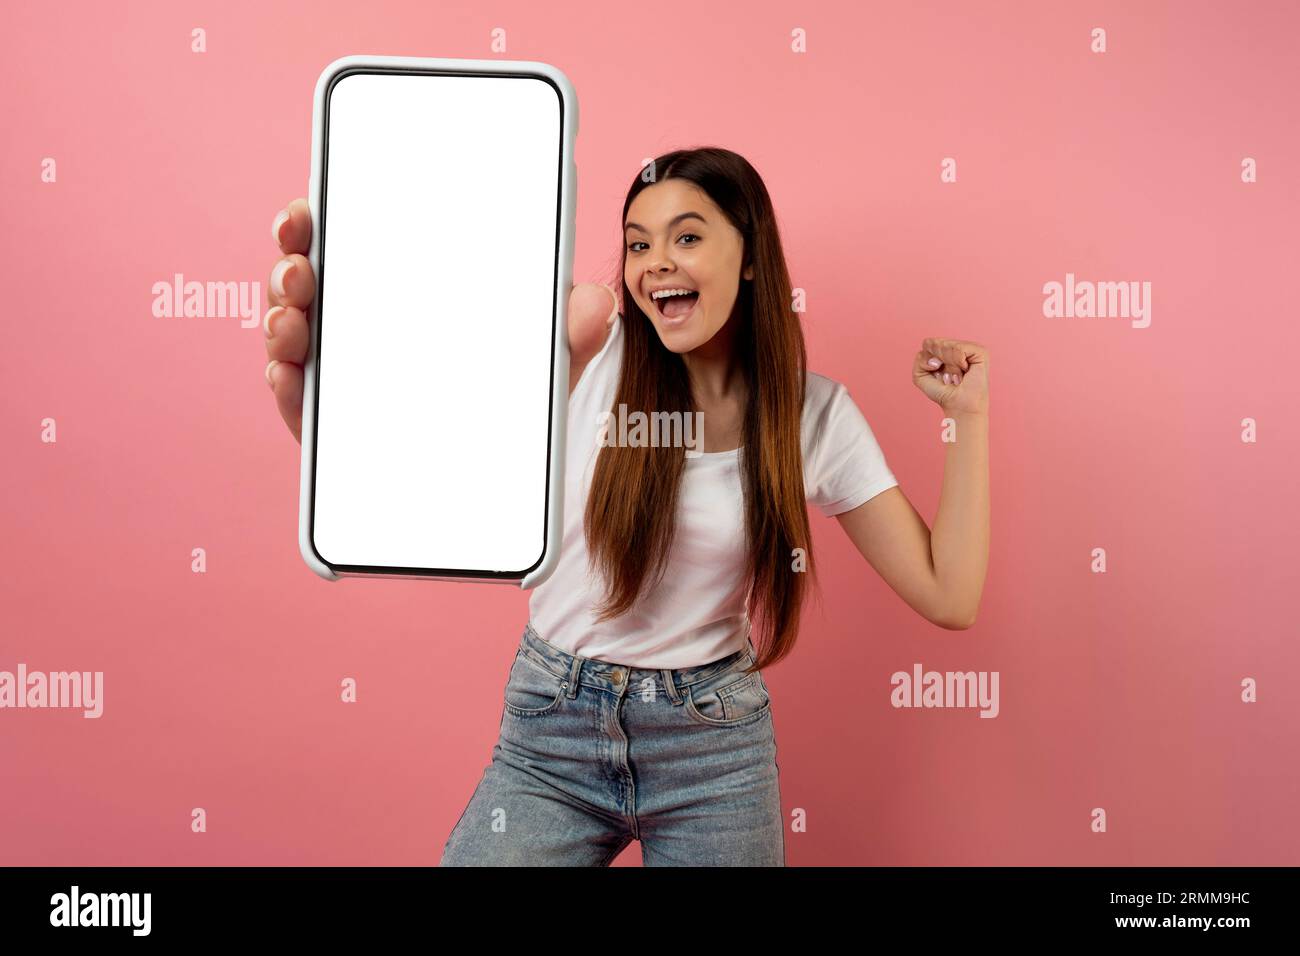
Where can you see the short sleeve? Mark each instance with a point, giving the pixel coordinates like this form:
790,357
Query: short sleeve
604,365
847,467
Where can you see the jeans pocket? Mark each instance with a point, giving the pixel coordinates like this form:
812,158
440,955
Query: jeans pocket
532,690
729,699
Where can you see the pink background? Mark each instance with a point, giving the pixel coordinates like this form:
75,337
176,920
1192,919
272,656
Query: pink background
1118,690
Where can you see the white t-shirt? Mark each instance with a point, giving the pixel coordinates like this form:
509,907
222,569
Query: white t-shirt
697,613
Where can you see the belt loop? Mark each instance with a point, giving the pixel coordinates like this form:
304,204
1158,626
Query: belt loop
670,688
575,668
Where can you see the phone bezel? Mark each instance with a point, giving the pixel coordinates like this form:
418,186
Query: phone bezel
566,208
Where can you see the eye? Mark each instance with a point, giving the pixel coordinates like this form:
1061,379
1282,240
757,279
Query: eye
632,246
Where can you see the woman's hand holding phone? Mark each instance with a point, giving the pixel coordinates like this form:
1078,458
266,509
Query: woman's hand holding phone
293,286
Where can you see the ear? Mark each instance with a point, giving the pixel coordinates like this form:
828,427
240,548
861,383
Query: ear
749,272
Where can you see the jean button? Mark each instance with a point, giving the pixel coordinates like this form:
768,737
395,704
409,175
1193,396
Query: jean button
617,674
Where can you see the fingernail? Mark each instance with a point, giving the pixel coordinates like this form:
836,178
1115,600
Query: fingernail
269,366
279,274
266,319
281,218
956,379
945,379
934,363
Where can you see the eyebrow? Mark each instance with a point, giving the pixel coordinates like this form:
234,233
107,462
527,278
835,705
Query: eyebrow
674,221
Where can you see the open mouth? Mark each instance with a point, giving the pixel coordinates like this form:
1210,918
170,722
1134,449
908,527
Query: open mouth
676,306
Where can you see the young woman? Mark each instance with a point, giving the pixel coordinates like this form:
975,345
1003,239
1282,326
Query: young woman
635,708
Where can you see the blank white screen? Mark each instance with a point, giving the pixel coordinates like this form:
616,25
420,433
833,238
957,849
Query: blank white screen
436,315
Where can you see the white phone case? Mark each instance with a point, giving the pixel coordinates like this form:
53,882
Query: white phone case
559,358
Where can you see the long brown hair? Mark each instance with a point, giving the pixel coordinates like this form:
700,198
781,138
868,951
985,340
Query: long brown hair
631,511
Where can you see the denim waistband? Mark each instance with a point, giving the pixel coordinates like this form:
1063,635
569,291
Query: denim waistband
598,673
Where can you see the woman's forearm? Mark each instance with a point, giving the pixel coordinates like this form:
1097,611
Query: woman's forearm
959,540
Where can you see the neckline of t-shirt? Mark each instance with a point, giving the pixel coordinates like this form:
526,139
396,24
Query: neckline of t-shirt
718,454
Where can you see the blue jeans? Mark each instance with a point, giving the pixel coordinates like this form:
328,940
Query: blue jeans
594,755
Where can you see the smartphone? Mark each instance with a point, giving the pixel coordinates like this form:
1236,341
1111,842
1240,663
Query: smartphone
435,396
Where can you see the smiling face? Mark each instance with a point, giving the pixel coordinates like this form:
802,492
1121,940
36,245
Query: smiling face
677,238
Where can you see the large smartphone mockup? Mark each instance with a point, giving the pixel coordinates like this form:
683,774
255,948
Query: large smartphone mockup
443,197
